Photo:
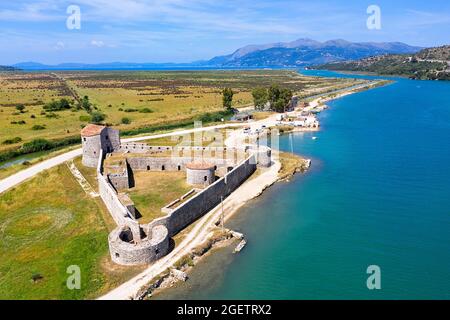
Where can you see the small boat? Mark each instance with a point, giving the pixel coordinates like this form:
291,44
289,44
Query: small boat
314,138
240,246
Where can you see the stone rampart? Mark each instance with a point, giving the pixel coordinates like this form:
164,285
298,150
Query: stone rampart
207,199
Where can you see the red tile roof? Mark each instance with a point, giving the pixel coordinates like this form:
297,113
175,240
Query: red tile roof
91,130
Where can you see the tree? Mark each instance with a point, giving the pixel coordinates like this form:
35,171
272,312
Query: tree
20,107
97,117
279,98
60,105
126,120
85,104
260,98
273,95
227,98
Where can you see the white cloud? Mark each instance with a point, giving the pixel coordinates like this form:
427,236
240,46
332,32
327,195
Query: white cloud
59,45
97,43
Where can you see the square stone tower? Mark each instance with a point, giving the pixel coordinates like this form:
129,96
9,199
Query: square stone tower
95,138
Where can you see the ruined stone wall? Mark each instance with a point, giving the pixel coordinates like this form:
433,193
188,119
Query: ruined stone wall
119,181
173,163
136,147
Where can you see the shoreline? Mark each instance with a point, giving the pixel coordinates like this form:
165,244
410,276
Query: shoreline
137,287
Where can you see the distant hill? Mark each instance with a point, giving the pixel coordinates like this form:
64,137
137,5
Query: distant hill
428,64
304,52
8,68
98,66
301,52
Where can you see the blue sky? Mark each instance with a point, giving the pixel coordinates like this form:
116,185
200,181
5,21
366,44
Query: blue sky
188,30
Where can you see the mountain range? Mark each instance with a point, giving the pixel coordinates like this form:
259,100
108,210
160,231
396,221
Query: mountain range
298,53
305,52
427,64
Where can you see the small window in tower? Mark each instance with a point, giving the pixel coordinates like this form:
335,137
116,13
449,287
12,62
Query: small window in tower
163,168
179,168
117,255
205,178
84,139
148,168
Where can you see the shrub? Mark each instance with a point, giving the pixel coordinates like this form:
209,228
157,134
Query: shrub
146,110
37,145
20,108
36,277
51,115
126,120
97,117
34,146
131,110
32,116
12,141
60,105
214,117
38,127
184,261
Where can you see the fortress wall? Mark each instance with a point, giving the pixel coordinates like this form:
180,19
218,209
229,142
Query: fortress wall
119,181
172,163
136,147
109,196
143,251
204,201
113,139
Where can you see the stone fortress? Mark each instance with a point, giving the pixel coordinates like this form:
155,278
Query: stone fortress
132,243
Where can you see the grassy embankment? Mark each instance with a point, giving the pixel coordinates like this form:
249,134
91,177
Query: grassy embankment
47,225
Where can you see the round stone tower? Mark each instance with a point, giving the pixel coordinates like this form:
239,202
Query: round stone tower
200,173
264,155
125,249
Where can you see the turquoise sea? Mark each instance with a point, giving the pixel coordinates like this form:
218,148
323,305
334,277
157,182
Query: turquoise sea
378,193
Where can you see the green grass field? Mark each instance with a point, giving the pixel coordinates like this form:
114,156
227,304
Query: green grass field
146,98
46,225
